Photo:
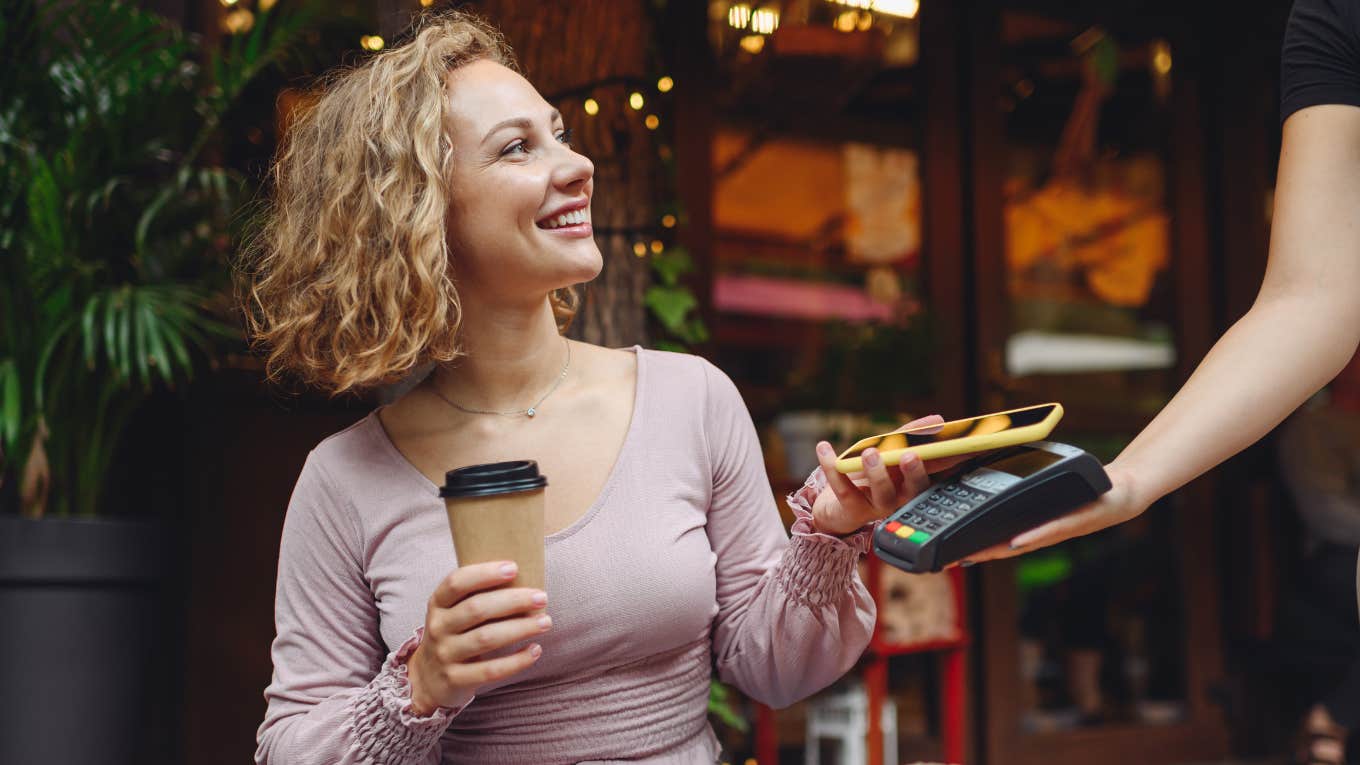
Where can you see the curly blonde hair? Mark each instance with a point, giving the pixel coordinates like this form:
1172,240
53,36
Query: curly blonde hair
349,281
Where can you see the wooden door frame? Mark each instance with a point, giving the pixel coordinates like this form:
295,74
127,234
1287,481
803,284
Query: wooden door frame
1203,735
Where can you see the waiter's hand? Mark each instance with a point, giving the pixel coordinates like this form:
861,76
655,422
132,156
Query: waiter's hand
851,501
1121,503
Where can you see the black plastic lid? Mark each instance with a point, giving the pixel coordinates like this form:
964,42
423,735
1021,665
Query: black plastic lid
493,478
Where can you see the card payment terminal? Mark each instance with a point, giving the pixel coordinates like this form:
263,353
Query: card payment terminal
993,498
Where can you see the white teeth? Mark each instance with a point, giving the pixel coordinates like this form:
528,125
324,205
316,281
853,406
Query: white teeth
573,218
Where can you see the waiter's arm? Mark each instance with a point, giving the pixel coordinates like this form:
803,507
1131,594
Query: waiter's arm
1301,330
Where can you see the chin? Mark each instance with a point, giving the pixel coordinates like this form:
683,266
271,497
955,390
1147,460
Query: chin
585,266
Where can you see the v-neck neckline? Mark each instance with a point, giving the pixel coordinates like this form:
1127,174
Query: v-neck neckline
630,436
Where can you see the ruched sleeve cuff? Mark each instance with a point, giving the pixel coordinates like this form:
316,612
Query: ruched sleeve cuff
384,725
818,567
801,503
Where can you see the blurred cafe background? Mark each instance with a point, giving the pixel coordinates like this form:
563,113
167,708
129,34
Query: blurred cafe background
861,210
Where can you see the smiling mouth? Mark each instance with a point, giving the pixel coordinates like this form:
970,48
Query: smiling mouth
573,218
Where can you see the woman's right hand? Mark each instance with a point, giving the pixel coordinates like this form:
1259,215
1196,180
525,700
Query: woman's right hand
465,619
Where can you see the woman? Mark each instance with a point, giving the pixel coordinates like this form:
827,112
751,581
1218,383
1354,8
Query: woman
429,207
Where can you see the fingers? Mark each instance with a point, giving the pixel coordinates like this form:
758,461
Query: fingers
1092,518
997,552
923,424
1084,521
945,463
489,606
466,580
839,483
1051,533
494,635
480,673
882,489
914,477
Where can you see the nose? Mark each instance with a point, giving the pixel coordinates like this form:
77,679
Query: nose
573,169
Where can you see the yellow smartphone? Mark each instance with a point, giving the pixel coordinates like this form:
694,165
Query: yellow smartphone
975,434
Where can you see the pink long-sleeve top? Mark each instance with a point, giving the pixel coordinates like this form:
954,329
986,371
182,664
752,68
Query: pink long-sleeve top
681,565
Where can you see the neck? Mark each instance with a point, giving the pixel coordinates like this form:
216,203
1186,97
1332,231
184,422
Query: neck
512,357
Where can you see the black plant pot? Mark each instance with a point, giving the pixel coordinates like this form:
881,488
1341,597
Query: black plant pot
81,611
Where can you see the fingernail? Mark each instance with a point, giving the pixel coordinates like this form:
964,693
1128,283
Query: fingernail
539,598
1015,546
508,570
535,650
966,563
544,622
823,448
871,458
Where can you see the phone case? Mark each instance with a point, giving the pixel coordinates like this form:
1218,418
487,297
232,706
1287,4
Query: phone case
965,445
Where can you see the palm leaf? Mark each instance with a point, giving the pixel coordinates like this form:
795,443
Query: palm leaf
276,34
123,353
138,351
110,212
54,341
155,351
175,339
44,208
12,406
110,327
89,338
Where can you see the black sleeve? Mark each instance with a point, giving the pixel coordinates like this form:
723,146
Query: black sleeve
1320,62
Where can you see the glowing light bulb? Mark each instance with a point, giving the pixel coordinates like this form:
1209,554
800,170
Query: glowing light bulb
765,21
907,9
238,21
1161,57
739,15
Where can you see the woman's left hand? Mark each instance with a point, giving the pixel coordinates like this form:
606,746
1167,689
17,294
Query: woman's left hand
850,501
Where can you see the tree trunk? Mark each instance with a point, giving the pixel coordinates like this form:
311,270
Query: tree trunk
599,49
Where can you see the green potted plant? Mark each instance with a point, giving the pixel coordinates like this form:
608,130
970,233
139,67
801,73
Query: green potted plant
115,208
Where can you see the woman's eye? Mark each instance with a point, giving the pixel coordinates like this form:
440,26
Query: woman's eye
521,146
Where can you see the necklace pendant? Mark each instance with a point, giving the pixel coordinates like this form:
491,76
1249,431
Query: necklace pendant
530,411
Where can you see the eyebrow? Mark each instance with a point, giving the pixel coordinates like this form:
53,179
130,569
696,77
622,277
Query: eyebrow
523,123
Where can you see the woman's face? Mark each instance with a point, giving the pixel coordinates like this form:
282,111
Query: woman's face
519,217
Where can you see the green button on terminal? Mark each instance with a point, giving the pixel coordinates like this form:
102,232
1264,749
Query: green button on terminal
919,537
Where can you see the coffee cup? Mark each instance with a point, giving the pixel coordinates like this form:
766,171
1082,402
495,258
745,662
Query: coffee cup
496,513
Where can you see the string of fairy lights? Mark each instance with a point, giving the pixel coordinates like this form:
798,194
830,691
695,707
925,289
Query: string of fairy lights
239,18
593,104
756,22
